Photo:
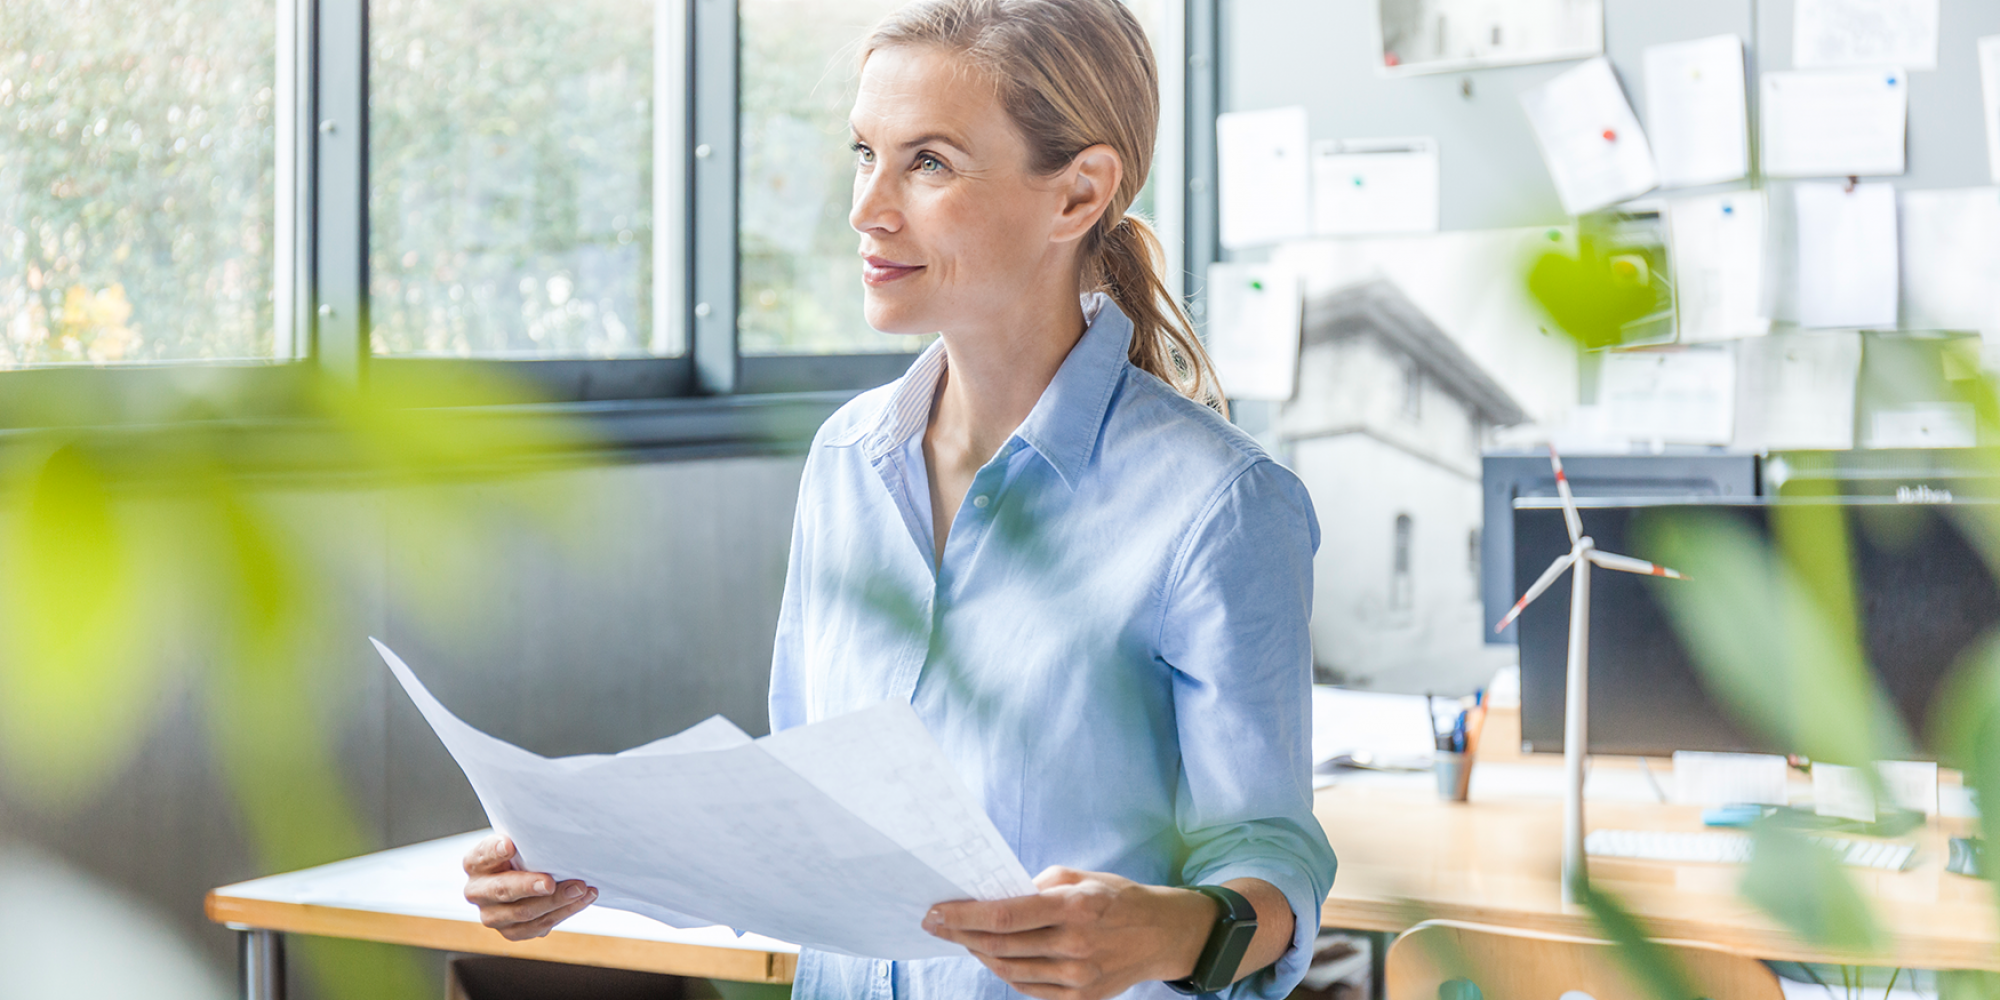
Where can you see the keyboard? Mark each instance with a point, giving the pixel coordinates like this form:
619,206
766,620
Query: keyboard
1721,847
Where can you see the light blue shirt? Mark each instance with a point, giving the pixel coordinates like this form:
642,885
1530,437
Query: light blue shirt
1113,649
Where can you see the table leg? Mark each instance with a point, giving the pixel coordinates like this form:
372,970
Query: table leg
261,959
1378,963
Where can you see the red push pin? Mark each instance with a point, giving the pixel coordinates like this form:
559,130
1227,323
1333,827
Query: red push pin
1610,135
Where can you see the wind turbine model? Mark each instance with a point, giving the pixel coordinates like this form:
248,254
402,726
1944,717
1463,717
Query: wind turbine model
1576,711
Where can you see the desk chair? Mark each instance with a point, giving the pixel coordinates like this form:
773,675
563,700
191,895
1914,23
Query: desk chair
1436,960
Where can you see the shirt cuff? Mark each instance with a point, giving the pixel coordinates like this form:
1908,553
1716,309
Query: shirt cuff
1278,980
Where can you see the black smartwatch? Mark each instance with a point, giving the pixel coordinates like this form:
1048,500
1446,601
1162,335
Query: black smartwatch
1227,941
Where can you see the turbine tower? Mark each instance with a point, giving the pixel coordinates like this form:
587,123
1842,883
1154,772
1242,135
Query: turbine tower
1583,554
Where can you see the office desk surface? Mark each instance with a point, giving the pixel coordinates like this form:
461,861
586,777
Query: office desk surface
414,896
1407,856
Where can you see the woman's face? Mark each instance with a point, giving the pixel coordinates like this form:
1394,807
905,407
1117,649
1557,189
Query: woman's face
955,226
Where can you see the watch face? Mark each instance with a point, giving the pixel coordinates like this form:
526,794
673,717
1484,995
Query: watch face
1227,942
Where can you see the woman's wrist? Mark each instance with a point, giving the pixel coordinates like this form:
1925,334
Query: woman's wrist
1188,918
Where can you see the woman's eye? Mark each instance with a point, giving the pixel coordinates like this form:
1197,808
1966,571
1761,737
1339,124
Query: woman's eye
929,164
864,155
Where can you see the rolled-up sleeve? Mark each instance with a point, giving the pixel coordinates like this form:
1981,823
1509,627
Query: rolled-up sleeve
1234,628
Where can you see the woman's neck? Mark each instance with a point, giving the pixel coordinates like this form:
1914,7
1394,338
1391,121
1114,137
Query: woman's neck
994,376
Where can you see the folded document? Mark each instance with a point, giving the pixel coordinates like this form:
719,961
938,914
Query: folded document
838,835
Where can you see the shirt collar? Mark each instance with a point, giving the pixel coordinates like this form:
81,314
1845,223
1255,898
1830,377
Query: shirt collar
1063,427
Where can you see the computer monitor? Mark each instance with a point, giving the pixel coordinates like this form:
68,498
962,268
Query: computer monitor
1511,476
1924,594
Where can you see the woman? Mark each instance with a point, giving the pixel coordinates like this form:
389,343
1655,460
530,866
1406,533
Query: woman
1093,589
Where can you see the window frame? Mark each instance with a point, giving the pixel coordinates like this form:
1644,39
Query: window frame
322,232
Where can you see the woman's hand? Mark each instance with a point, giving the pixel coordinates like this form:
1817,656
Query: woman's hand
520,905
1085,935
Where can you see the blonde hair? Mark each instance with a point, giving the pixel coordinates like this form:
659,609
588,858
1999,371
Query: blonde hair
1074,74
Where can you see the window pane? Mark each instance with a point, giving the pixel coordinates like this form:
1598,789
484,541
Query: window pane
510,179
136,180
801,278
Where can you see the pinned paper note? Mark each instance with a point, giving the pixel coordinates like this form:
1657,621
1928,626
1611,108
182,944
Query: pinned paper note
1695,112
1596,153
1435,36
1847,263
1261,166
1923,425
1951,259
1989,85
1828,34
1728,779
1370,186
1685,396
1795,391
1254,313
1835,124
1718,245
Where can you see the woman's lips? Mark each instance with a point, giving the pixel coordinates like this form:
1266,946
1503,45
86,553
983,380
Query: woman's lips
881,270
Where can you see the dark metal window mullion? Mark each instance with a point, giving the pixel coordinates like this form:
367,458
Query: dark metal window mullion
714,89
339,188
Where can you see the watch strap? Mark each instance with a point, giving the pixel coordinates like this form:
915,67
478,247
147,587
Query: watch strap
1227,941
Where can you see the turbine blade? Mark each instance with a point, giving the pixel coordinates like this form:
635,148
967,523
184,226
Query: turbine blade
1627,564
1548,577
1570,516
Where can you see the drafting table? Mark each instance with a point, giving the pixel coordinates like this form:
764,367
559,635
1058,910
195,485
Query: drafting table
414,896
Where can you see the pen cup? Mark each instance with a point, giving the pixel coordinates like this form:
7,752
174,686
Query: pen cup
1454,774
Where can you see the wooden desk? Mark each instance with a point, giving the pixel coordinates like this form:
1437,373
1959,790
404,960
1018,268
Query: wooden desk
414,896
1406,856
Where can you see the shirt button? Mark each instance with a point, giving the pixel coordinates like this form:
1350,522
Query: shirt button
981,500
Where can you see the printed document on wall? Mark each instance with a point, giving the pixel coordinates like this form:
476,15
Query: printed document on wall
1848,259
1370,186
1675,396
1254,313
1989,84
838,835
1695,112
1951,259
1835,34
1796,391
1264,181
1596,153
1718,243
1835,124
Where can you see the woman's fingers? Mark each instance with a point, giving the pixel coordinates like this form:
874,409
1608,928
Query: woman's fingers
507,887
1000,916
502,916
547,922
492,855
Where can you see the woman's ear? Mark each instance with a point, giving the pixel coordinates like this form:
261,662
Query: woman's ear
1089,181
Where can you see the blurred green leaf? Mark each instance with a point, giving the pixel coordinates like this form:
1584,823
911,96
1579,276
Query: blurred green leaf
1590,294
1801,885
76,685
1650,964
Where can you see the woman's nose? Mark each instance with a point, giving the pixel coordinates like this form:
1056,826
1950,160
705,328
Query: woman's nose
874,204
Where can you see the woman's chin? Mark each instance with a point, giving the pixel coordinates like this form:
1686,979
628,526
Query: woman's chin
886,317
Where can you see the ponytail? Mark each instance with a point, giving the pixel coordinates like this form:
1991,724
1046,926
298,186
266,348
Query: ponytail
1128,266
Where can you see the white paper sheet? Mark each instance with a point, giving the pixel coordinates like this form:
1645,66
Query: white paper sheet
1596,152
839,835
1951,259
1685,396
1392,730
1264,194
1829,34
1989,85
1796,391
1695,112
1923,425
1724,779
1847,123
1254,313
1436,36
1718,246
1847,265
1370,186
